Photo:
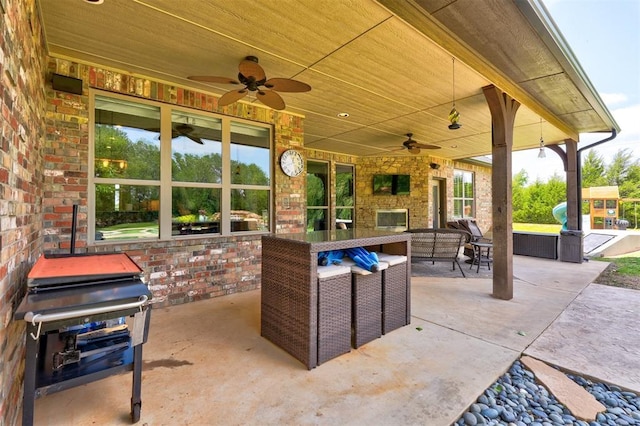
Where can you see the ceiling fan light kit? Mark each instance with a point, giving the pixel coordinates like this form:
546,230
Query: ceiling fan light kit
254,79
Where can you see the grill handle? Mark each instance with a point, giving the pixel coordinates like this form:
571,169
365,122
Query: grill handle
42,318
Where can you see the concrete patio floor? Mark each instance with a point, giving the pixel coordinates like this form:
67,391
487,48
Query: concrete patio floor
206,363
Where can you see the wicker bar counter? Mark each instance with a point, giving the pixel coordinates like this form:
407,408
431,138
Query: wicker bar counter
290,286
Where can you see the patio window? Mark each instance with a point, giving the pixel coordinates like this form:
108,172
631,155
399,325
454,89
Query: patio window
159,172
317,195
344,196
463,194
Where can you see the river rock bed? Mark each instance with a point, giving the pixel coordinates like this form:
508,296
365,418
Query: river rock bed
516,399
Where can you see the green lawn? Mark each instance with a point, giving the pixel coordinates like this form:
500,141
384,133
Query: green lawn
624,265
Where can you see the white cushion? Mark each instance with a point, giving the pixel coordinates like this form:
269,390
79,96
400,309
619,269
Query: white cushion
332,270
392,259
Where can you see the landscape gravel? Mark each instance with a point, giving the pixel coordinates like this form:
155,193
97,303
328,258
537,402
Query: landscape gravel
515,399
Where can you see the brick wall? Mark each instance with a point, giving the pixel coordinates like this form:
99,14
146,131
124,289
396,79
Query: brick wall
22,106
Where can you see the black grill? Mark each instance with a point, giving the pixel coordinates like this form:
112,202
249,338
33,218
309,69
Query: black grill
87,318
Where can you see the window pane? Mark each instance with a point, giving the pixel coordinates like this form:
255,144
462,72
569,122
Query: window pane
196,148
344,185
316,219
344,218
250,154
249,210
127,140
457,184
468,185
463,194
317,179
126,212
468,208
457,208
611,204
195,210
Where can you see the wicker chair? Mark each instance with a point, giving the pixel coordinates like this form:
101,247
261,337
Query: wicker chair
438,245
475,234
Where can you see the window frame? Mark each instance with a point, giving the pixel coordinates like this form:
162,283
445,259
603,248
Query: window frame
166,184
328,192
353,195
464,198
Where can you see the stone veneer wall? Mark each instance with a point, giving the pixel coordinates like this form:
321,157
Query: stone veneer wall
483,194
22,106
418,202
176,271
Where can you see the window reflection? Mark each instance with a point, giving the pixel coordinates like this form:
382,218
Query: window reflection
249,210
250,155
205,164
317,196
127,140
126,211
344,196
195,210
196,148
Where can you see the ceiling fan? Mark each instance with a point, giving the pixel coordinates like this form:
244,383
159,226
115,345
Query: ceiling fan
414,147
181,129
185,130
254,79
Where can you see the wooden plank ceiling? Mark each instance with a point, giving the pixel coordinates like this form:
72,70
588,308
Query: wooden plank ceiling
389,64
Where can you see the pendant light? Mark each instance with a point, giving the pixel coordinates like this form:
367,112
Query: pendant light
454,115
541,153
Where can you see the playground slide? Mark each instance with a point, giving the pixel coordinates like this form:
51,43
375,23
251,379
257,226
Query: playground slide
560,214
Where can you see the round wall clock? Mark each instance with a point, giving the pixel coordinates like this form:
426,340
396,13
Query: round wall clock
291,162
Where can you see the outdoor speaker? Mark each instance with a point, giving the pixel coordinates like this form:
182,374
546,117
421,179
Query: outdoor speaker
66,84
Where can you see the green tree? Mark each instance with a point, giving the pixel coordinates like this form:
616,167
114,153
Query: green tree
593,168
519,196
196,168
535,203
617,171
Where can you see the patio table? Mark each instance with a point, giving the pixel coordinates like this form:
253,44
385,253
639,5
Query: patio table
290,285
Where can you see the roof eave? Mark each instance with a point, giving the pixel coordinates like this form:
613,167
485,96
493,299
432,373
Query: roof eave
540,19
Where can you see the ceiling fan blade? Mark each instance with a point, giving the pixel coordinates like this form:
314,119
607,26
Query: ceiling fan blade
270,99
250,68
195,139
183,128
286,85
232,96
212,79
425,146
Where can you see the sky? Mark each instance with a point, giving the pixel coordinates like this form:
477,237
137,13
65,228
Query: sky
604,36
